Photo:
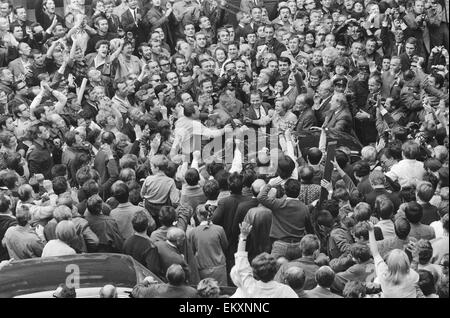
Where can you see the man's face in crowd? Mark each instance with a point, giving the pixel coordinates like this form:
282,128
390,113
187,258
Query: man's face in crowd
201,40
22,14
189,30
273,66
255,100
330,40
233,51
240,67
419,7
263,79
386,64
24,49
371,47
285,39
246,18
4,9
341,50
154,67
284,14
299,25
7,76
24,111
132,4
103,26
310,4
122,89
131,87
410,48
269,33
172,78
348,4
207,87
43,133
326,3
59,31
205,23
373,85
208,67
327,59
50,6
186,98
251,38
103,50
339,69
314,80
180,64
315,16
261,32
356,49
18,33
294,44
292,5
230,69
395,65
398,36
284,67
156,47
156,3
224,37
317,57
256,14
146,52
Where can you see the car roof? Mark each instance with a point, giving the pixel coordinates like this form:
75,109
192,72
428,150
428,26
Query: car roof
90,292
93,270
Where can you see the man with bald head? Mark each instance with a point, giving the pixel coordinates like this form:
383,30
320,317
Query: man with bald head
170,251
108,291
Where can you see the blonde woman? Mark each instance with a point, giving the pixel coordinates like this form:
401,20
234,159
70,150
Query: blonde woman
395,275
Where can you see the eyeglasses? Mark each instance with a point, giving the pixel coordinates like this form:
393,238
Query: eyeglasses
164,64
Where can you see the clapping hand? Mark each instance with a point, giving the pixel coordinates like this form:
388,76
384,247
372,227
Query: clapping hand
327,185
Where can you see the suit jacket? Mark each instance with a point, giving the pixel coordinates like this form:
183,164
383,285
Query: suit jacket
406,61
129,24
372,196
389,45
389,86
248,5
322,109
17,68
309,267
306,120
339,121
430,213
169,255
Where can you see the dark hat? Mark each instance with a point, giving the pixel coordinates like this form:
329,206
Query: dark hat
340,80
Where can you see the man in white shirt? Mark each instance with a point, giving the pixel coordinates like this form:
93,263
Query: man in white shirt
409,170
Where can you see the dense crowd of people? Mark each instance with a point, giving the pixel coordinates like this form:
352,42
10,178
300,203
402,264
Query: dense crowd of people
287,149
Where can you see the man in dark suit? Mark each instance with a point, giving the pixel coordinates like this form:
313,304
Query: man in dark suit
158,17
45,13
170,251
132,21
226,211
410,51
256,117
106,164
306,116
338,118
391,80
393,42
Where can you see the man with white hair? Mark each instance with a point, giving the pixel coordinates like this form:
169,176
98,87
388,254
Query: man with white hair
339,118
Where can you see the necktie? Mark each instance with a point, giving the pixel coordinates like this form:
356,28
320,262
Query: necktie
399,49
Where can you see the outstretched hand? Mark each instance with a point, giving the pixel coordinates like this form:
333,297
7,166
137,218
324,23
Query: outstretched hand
245,229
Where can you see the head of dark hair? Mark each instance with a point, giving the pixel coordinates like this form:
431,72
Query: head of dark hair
402,228
307,174
59,170
120,191
211,189
285,167
167,215
94,204
222,179
175,275
331,206
414,212
426,282
59,185
192,177
314,155
140,221
292,188
235,183
361,252
248,177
